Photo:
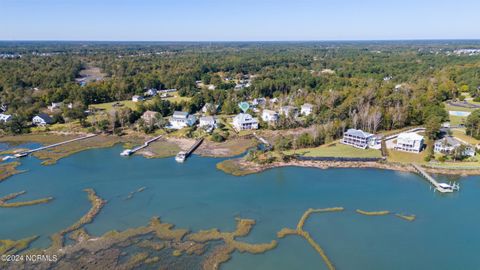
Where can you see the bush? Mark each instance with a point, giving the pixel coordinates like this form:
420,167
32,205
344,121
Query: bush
217,137
442,159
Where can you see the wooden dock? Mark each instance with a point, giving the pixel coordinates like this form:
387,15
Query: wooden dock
183,155
26,153
128,152
441,187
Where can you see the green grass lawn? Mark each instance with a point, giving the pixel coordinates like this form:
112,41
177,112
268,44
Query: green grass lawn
457,120
456,108
108,106
405,157
337,150
460,133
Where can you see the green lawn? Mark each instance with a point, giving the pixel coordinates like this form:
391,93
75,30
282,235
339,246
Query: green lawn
108,106
456,108
457,120
460,133
405,157
337,150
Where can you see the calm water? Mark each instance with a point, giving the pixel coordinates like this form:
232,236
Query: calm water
195,195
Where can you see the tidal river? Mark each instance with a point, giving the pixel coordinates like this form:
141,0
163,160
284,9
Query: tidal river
195,195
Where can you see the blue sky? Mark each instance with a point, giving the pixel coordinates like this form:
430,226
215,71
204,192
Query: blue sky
216,20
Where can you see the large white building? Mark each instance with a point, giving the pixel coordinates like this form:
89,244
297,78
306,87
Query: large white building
208,121
409,142
244,121
180,120
270,116
360,139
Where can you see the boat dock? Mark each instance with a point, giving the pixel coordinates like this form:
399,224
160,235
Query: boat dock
441,187
128,152
183,155
26,153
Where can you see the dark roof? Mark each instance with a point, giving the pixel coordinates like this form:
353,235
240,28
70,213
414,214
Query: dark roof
45,117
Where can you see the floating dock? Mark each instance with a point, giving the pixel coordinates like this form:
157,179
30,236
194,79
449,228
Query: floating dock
183,155
441,187
128,152
26,153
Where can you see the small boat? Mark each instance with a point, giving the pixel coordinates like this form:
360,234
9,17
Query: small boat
446,188
181,156
19,155
126,152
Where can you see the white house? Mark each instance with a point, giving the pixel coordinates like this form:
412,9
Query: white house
42,120
180,120
447,145
289,111
243,121
151,92
270,116
409,142
210,108
306,109
5,117
208,121
212,87
360,139
137,98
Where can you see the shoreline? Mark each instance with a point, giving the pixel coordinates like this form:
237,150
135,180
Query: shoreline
241,167
168,147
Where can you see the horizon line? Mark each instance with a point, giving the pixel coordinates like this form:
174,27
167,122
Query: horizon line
239,41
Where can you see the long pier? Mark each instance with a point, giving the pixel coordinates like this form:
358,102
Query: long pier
183,155
26,153
128,152
442,187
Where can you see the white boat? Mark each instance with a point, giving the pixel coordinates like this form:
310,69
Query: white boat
126,152
446,188
19,155
181,156
7,158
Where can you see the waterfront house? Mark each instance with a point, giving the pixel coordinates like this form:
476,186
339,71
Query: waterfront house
270,116
210,108
164,91
137,98
149,117
244,121
449,144
306,109
409,142
289,111
360,139
5,117
42,119
208,122
180,120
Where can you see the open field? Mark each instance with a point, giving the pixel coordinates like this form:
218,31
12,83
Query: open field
337,150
